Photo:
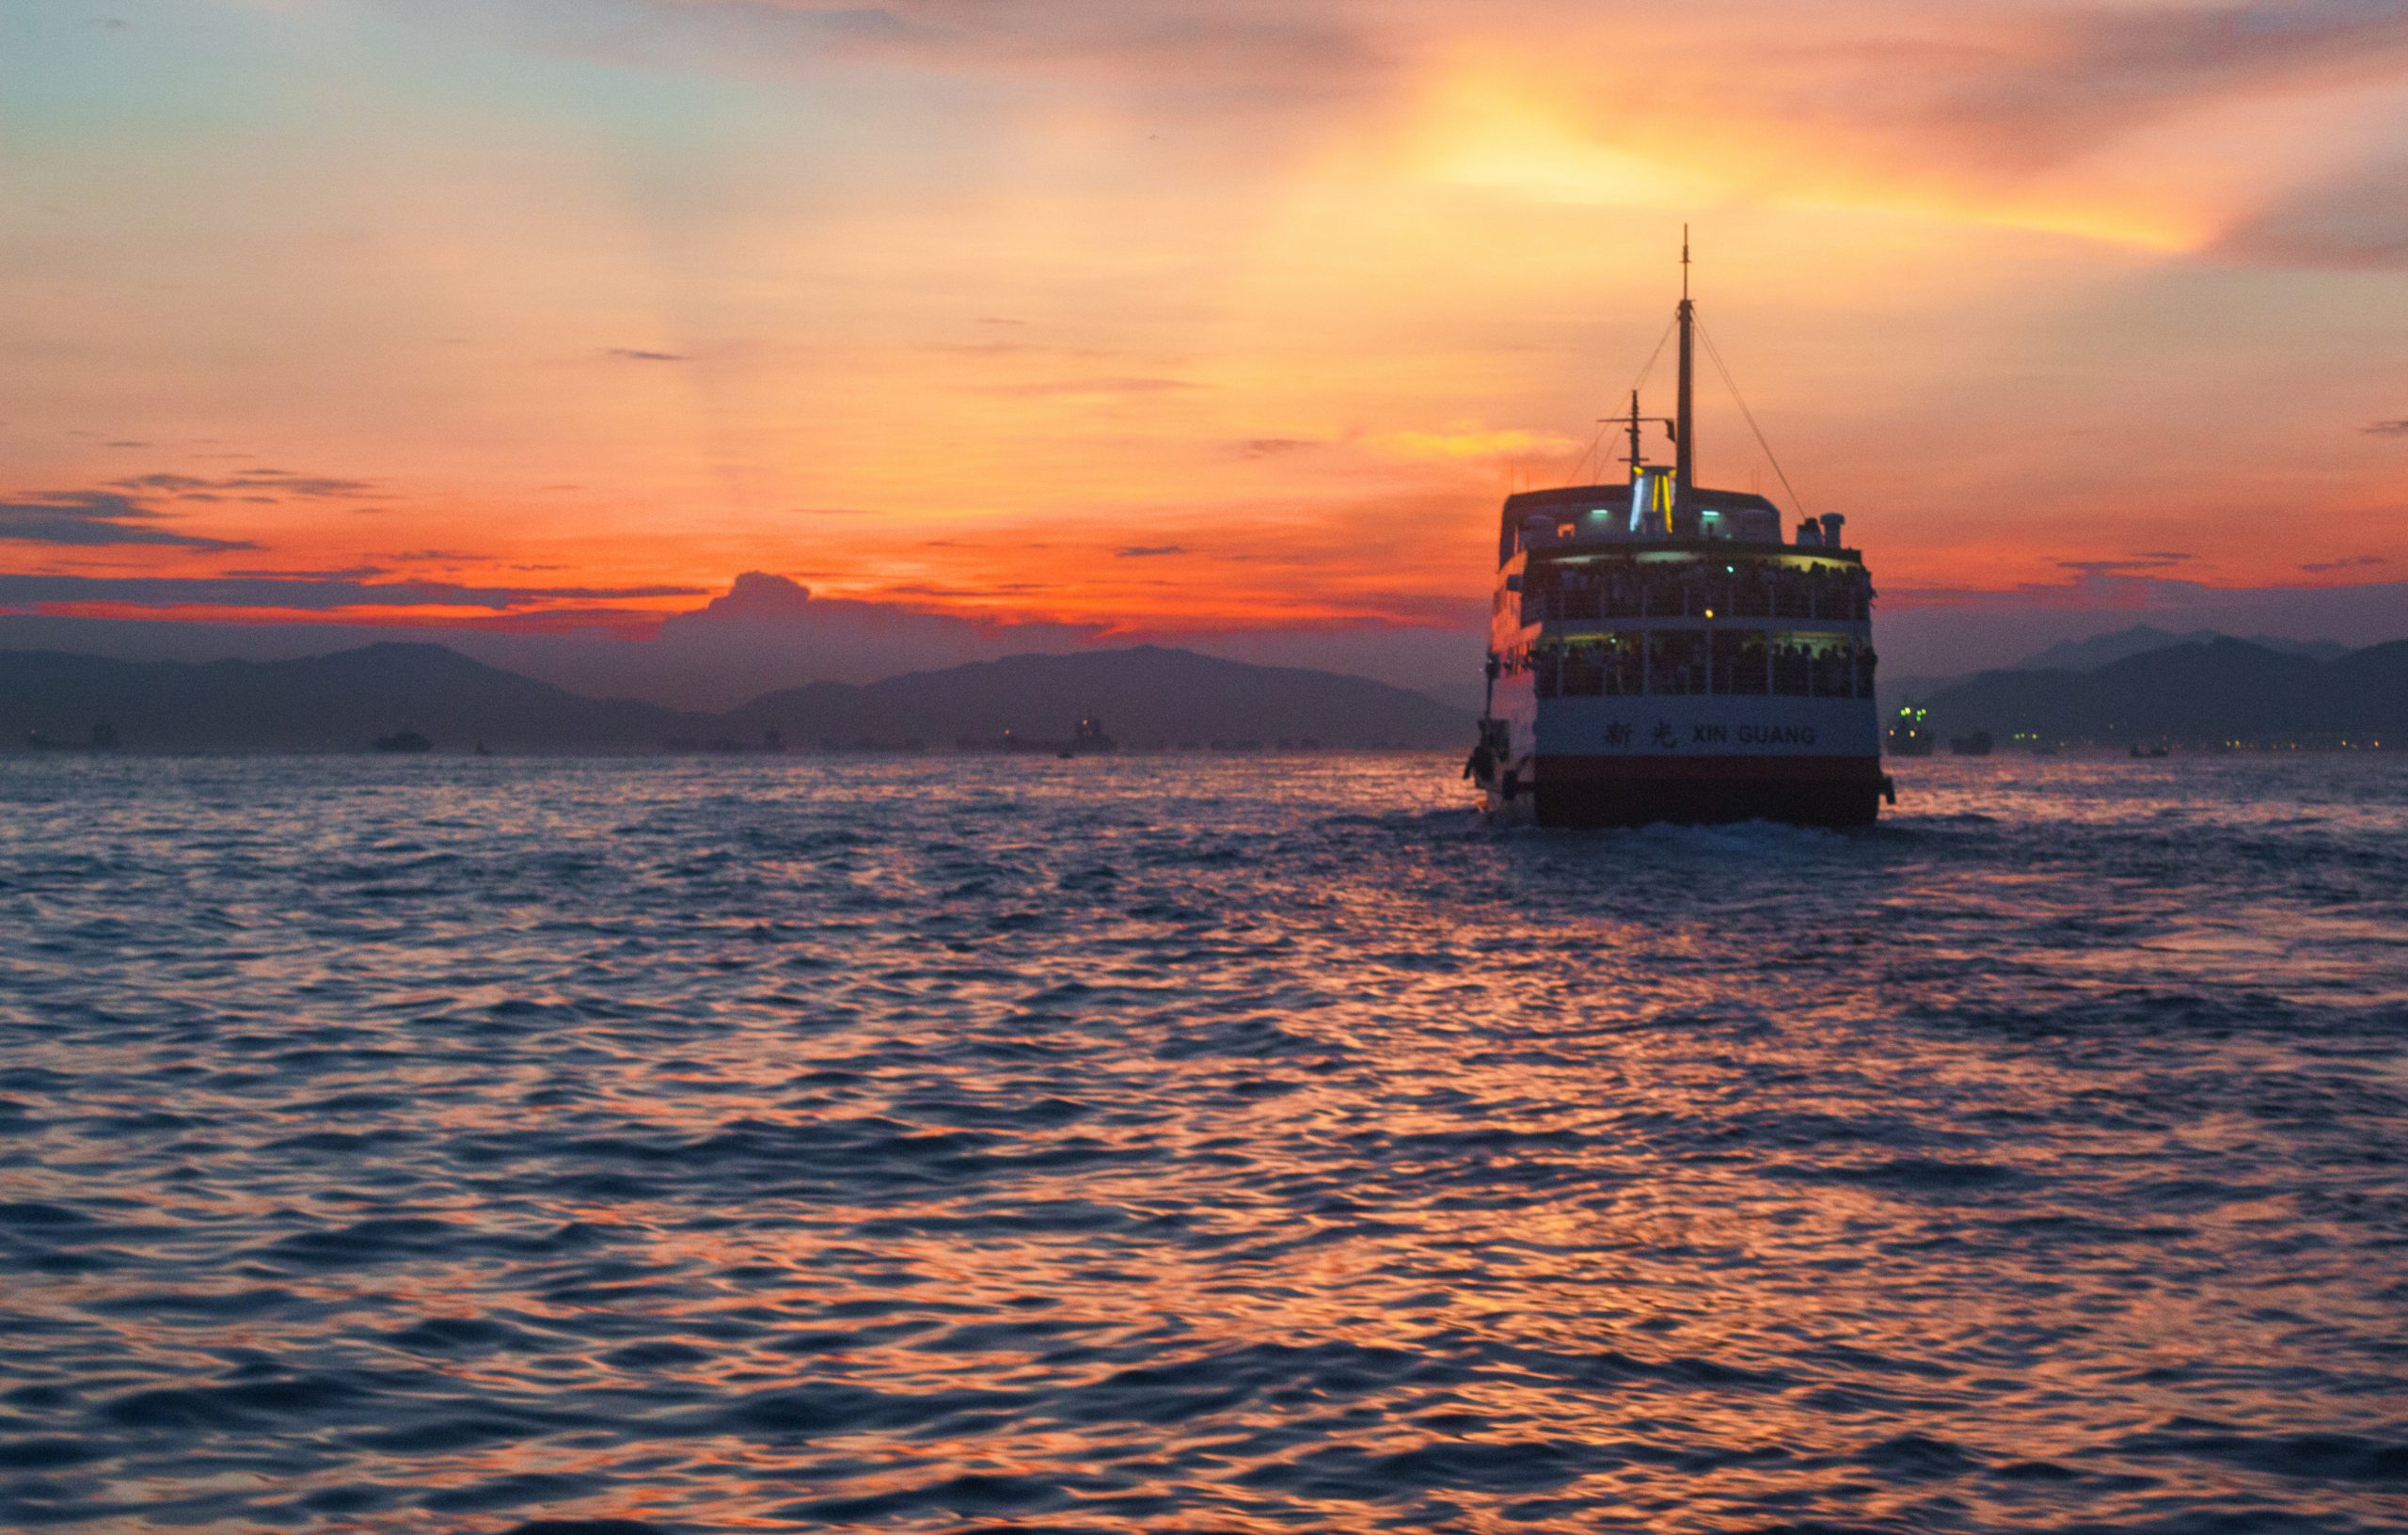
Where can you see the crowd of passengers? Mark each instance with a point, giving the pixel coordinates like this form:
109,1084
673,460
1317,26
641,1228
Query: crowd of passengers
1669,661
1738,589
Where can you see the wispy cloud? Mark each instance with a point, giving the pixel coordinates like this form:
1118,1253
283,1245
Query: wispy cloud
1041,389
2386,429
2001,114
445,557
2353,561
2112,69
631,353
2134,564
1256,46
2358,222
307,593
1471,441
1015,349
1149,551
96,518
251,484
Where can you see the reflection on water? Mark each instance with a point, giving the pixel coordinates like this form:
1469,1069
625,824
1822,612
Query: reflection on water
1196,1145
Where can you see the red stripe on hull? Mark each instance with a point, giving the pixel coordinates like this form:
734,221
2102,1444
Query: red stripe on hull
1634,790
1671,769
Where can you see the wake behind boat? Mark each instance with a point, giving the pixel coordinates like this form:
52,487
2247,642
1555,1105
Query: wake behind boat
1658,653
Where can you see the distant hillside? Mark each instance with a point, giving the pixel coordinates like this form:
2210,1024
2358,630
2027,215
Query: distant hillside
1145,695
2216,690
2106,649
323,702
2098,650
344,700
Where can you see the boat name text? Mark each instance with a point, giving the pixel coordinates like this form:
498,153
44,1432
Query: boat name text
1666,738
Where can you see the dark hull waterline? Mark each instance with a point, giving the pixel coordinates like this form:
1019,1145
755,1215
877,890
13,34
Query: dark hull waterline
1601,791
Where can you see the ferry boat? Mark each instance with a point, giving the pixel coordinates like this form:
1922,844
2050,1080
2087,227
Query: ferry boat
1659,651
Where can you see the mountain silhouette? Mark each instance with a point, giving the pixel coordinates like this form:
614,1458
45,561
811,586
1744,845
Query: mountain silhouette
1147,695
2104,649
2209,691
344,701
322,702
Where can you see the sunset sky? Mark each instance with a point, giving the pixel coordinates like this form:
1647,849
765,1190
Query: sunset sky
1165,317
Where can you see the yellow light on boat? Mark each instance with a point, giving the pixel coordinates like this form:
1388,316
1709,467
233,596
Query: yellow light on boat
1709,612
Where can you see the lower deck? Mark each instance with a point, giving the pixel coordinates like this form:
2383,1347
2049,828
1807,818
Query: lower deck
1611,761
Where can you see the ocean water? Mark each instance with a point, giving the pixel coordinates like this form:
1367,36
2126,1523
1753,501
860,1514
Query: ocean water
1196,1145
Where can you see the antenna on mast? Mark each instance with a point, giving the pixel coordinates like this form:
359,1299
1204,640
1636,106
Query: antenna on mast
1631,423
1684,414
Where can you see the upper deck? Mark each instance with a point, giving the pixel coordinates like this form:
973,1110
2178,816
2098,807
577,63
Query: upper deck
1657,593
1646,515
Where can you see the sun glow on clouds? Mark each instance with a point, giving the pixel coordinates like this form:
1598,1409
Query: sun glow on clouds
948,306
1471,441
1517,127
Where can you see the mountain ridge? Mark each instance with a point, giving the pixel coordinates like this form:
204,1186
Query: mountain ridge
2219,691
345,700
2092,653
983,699
2141,638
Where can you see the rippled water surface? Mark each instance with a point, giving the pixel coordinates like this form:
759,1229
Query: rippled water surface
1160,1144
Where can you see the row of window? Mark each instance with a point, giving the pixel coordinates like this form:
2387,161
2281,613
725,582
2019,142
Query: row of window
1681,662
1695,589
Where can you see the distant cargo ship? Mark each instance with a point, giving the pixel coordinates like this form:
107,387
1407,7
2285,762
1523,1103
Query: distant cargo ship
103,738
1089,740
1909,735
1659,652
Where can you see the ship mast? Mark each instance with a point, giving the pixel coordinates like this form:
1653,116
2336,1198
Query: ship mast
1684,451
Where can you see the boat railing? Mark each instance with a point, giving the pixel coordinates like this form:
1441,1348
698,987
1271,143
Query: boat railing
1572,593
1684,662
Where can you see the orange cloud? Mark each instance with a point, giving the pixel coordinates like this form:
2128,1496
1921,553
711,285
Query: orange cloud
1297,289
